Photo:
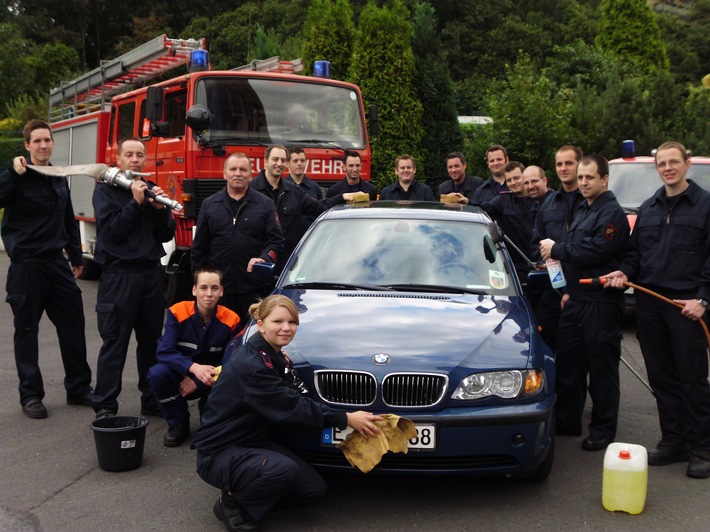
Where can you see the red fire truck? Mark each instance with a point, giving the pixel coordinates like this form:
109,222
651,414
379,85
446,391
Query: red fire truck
240,110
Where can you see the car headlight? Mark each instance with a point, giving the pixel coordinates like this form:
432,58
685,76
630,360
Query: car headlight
506,384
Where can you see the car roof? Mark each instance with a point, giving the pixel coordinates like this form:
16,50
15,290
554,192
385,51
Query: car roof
409,209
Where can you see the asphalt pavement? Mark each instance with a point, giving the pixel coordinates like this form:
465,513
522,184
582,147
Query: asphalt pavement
50,479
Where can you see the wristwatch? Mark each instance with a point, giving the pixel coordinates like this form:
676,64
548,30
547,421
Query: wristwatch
703,302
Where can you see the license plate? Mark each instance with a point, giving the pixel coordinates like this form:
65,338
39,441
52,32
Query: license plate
426,436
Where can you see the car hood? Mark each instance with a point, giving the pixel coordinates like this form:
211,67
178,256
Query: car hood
418,331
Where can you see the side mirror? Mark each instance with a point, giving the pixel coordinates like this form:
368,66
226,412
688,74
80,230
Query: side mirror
373,121
489,249
198,118
538,280
264,270
154,104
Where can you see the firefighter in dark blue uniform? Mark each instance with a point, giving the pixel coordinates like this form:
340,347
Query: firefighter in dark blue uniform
292,204
589,333
671,256
297,175
553,220
461,184
496,159
238,227
190,350
37,225
131,229
352,181
406,187
257,390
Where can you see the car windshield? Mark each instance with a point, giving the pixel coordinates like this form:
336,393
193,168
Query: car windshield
634,183
400,254
272,111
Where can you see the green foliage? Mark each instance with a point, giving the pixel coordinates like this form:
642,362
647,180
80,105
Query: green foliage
696,131
25,108
265,44
630,29
383,66
530,115
435,91
329,34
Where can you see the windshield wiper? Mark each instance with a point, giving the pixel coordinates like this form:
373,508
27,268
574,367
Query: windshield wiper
414,287
324,143
336,286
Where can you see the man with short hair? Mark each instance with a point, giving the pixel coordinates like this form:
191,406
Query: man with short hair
131,228
352,181
37,226
589,333
671,255
553,219
496,159
190,350
292,204
535,184
297,173
406,187
237,228
461,184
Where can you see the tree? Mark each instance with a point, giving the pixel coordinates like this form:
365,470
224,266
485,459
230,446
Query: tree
436,94
630,29
265,44
383,66
329,34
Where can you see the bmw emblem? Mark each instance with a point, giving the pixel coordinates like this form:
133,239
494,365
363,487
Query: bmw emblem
381,359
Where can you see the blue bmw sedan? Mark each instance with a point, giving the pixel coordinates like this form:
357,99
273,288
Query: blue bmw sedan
416,310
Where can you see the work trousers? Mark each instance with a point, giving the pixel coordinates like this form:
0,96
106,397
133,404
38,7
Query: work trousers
126,302
34,288
589,343
676,354
165,381
547,312
263,479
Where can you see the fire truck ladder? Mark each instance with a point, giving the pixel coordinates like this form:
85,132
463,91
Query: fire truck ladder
91,91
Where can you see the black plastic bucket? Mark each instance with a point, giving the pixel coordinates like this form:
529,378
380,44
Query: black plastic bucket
119,442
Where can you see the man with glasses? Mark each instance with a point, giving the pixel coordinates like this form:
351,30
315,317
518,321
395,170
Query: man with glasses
671,255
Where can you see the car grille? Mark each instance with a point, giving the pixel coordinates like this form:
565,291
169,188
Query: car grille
413,389
346,387
398,389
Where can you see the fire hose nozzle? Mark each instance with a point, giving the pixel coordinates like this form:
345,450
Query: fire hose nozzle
594,280
115,177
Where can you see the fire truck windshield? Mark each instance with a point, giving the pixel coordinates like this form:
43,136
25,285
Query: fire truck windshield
271,111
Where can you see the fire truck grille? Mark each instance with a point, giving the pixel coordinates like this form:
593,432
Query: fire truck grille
199,190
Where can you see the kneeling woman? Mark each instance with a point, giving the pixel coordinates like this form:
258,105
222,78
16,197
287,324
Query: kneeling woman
234,450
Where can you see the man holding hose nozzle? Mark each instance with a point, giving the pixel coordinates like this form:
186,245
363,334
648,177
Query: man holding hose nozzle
131,229
671,256
589,333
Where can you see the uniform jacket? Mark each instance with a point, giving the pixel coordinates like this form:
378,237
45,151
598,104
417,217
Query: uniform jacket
311,188
39,218
292,205
554,219
229,242
186,340
595,245
488,190
516,218
129,236
250,396
417,192
468,187
342,187
671,248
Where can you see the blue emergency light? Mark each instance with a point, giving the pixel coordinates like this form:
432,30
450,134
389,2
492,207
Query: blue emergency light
628,149
321,69
199,60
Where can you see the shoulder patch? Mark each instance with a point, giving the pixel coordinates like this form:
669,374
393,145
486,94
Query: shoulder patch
610,232
267,360
272,254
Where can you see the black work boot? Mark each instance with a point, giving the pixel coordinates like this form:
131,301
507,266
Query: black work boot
699,465
234,517
664,454
176,434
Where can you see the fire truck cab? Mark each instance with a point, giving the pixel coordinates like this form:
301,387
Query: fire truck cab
191,123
